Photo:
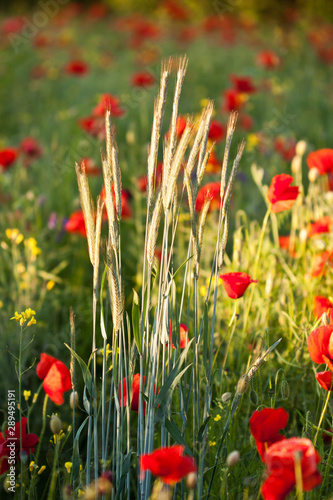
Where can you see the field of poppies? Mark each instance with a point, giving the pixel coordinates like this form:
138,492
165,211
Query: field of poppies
166,234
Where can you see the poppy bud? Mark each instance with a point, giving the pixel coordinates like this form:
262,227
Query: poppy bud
296,164
313,174
243,384
300,148
303,235
191,480
233,458
285,390
55,424
226,397
325,320
74,400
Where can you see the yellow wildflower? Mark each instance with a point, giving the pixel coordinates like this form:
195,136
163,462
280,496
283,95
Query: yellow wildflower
26,395
211,443
17,316
50,284
68,466
43,467
252,141
32,322
32,466
217,418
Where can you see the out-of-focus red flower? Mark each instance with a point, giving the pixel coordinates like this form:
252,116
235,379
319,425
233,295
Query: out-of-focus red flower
31,148
180,125
216,131
285,245
13,436
321,305
322,160
8,156
243,84
183,335
212,191
12,25
56,378
281,195
235,284
93,125
325,380
246,122
233,100
319,263
126,211
268,59
175,10
89,167
143,79
108,102
142,181
168,464
40,41
214,164
285,147
76,224
280,464
77,68
143,30
97,11
320,345
265,427
320,226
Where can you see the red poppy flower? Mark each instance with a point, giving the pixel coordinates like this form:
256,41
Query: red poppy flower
216,131
180,125
281,195
57,381
320,226
233,100
280,463
246,122
135,393
320,345
212,191
89,167
77,68
265,427
126,211
285,245
12,25
243,84
45,363
175,10
235,284
7,157
143,79
29,441
321,305
285,147
76,224
108,102
30,147
322,160
319,263
168,464
142,181
268,59
214,164
183,335
325,380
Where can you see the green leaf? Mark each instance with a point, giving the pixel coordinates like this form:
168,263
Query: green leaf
76,451
176,435
136,320
85,372
126,468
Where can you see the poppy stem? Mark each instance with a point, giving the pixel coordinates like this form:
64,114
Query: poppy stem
298,476
31,488
261,239
322,417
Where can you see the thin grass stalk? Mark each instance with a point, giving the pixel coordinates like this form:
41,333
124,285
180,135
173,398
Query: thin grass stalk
73,375
87,208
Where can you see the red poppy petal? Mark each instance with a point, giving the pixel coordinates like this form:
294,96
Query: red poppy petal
325,380
44,365
266,424
57,381
277,487
318,341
